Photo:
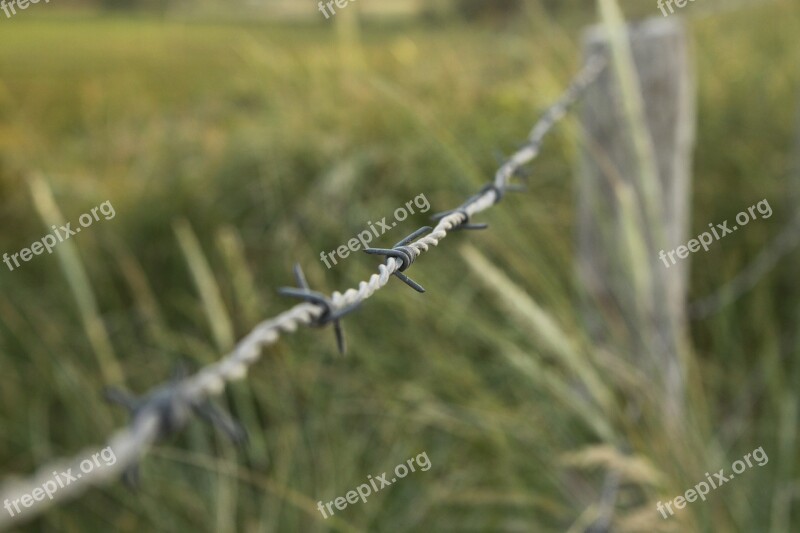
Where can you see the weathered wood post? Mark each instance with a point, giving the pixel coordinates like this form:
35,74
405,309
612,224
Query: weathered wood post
634,196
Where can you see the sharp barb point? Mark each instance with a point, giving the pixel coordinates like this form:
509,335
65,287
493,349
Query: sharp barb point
172,404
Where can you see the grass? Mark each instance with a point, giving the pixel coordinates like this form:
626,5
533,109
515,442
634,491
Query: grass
230,151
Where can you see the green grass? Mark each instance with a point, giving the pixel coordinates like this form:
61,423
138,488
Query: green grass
231,151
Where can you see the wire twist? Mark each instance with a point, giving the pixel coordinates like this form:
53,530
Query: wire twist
167,408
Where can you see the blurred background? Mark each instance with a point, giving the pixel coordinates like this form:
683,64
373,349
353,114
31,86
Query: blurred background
237,138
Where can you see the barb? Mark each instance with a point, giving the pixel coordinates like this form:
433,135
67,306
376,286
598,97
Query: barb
405,254
329,315
156,413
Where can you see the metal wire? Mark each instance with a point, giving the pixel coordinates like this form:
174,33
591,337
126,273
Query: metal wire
168,407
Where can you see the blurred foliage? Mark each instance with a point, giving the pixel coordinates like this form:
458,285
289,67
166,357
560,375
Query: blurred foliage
473,9
241,147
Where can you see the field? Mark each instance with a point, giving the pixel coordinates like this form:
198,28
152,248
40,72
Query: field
230,151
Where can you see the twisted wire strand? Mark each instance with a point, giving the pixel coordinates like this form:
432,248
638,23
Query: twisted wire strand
131,442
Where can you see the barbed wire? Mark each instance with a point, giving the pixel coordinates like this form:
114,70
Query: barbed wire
167,408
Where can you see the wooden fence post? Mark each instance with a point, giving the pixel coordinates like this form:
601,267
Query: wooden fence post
622,278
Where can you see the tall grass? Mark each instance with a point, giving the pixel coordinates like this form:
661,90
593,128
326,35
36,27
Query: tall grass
258,127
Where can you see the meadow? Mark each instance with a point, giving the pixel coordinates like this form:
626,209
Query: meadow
232,150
